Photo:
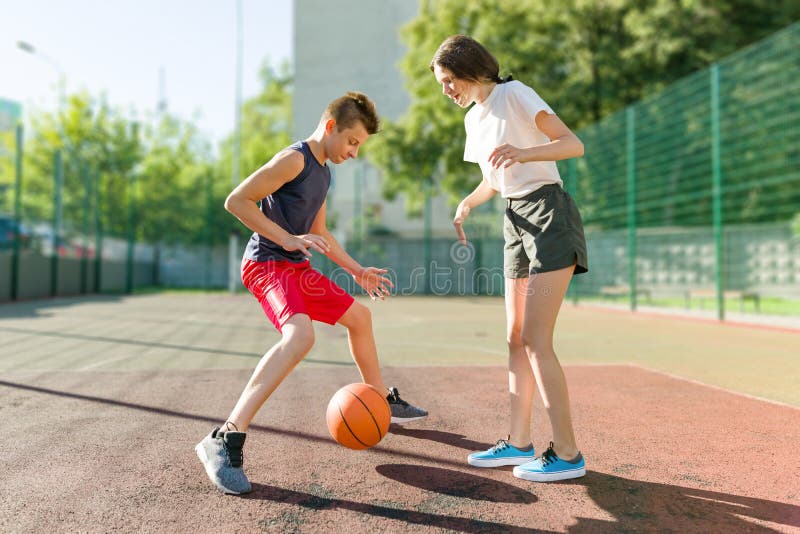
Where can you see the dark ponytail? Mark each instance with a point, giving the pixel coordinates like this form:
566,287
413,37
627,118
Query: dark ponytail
508,78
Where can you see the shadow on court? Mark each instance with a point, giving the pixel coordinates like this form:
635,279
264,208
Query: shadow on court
118,445
438,436
127,341
409,517
46,307
634,505
637,505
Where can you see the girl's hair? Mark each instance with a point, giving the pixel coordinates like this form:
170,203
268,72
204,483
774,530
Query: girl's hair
351,108
467,59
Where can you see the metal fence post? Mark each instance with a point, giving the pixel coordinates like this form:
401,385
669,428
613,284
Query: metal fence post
57,205
87,196
630,120
98,235
571,187
131,234
716,189
427,237
15,258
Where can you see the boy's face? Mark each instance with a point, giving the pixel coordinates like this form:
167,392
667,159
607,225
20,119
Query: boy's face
344,144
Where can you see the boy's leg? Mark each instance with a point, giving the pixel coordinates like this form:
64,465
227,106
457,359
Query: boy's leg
545,294
358,321
521,382
275,365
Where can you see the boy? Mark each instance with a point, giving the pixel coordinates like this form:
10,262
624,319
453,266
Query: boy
289,224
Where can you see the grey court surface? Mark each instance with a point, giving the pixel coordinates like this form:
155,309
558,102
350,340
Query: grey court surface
222,331
106,396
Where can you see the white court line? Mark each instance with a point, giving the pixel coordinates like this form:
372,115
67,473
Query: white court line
452,346
488,351
103,362
718,388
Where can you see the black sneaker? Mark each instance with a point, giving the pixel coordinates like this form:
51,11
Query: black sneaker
222,457
403,412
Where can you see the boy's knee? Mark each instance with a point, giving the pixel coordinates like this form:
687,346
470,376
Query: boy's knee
360,315
300,340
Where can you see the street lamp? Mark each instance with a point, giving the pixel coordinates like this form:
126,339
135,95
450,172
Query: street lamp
30,49
233,241
57,163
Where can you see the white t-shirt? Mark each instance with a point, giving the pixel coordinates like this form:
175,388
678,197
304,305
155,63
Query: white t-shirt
508,116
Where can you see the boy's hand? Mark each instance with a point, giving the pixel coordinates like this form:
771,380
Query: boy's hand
374,283
305,242
462,211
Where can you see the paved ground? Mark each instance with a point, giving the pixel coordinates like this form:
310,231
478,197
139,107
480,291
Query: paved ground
216,331
104,400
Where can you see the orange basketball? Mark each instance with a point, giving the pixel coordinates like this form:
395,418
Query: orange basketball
358,416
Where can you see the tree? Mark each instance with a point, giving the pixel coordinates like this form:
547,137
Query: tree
587,58
266,123
93,138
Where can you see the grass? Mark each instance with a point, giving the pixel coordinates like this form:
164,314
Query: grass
767,305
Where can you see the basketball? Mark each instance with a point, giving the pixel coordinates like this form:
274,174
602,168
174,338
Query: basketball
358,416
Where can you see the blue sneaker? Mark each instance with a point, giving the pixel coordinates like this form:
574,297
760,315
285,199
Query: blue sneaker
550,468
502,453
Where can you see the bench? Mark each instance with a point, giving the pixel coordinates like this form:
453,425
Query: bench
742,295
624,291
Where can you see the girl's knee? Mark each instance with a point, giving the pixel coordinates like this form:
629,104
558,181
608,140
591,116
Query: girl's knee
536,345
514,338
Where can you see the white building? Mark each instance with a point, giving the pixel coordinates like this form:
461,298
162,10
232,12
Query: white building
346,45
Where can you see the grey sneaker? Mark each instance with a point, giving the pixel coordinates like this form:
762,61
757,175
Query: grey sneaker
221,454
403,412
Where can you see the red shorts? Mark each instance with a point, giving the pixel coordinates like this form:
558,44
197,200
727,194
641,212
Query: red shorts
284,288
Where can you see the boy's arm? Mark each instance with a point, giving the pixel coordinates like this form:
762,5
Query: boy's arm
370,278
243,202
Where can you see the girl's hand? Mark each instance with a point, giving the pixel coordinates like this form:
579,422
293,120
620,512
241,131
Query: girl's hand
506,155
462,211
374,283
305,242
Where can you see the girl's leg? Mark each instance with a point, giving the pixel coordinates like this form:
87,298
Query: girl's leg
358,321
275,365
545,294
521,382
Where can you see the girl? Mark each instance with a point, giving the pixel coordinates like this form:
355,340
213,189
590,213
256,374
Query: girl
516,138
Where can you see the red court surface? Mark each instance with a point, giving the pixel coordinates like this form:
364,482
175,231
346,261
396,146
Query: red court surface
104,451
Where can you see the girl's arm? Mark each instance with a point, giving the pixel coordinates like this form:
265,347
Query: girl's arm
564,144
481,194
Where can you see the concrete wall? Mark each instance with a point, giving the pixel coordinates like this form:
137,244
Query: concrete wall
355,45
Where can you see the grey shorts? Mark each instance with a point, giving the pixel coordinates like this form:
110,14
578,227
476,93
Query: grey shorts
543,232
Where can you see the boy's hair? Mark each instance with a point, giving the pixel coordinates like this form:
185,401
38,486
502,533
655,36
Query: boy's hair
467,59
351,108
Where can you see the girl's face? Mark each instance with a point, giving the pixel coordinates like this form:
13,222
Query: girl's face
462,92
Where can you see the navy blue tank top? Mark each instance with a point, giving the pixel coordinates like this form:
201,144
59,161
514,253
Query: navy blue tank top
293,207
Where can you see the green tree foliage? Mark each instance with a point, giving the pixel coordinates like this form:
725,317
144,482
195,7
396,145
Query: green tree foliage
93,138
171,183
266,123
586,58
164,164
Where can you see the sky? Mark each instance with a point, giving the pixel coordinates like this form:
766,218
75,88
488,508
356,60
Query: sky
117,48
